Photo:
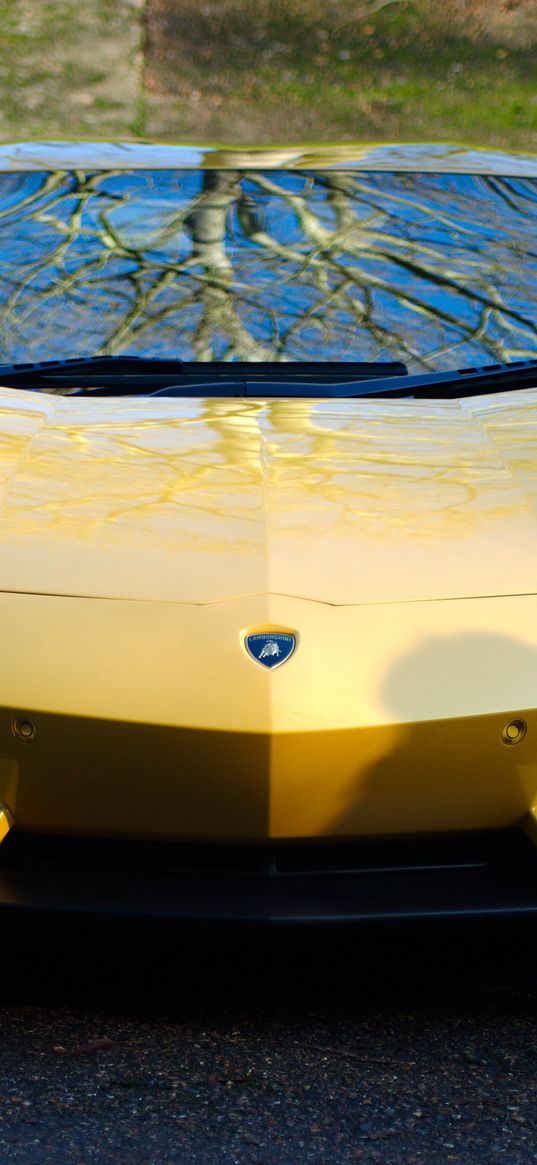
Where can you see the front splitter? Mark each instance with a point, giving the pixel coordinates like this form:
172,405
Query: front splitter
504,884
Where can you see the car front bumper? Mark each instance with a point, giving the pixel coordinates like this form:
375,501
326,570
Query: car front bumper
474,875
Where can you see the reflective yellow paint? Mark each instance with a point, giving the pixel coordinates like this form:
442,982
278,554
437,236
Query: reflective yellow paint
152,719
394,157
6,822
141,539
198,501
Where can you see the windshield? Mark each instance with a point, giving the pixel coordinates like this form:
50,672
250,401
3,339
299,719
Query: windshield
436,270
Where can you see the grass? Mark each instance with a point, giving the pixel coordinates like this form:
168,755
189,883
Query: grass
296,70
265,71
69,68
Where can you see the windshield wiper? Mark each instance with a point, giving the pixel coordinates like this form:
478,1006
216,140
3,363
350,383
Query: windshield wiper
488,378
116,375
140,375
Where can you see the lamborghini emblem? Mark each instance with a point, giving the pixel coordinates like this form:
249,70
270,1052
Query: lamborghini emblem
270,648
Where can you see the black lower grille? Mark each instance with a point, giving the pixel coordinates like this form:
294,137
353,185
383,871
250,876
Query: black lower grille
274,859
468,875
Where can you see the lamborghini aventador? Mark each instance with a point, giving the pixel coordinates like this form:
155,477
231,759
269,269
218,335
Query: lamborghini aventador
268,532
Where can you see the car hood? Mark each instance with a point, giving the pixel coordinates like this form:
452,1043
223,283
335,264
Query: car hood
342,502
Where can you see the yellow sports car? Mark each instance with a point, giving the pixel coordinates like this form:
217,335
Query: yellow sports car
268,533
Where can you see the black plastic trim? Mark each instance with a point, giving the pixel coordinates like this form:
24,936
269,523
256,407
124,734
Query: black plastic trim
471,875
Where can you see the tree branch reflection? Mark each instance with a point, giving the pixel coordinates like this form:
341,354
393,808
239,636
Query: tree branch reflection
227,264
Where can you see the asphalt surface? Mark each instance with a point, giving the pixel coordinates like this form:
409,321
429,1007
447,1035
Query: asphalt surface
144,1047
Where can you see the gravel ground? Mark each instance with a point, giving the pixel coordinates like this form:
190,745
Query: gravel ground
143,1048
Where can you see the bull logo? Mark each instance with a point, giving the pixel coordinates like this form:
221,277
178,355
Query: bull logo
270,648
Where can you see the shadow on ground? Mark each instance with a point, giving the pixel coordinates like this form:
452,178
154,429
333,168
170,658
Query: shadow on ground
287,1049
147,969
